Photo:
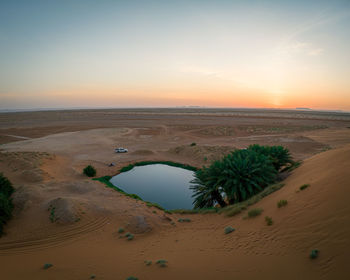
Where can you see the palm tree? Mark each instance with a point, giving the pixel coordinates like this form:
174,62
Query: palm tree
206,187
239,175
279,155
245,174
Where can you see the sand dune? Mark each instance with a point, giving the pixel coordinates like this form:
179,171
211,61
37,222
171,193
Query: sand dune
87,241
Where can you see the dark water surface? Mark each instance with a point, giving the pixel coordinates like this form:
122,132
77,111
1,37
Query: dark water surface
166,185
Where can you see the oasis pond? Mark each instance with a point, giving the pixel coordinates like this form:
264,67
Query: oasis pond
165,185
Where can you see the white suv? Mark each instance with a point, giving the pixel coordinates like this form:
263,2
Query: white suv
121,150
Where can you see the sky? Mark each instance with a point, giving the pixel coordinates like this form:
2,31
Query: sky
256,54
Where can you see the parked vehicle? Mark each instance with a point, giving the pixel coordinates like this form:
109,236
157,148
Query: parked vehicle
121,150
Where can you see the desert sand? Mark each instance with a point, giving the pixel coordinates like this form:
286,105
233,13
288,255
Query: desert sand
43,154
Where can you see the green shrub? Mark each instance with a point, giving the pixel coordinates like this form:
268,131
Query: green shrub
148,263
47,265
282,203
132,278
89,171
129,236
229,230
254,212
162,263
5,186
193,144
6,205
314,254
303,187
268,220
121,230
92,276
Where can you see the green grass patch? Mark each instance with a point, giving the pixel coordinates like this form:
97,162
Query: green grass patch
254,212
162,263
268,221
132,278
292,166
152,204
237,208
303,187
282,203
170,163
228,230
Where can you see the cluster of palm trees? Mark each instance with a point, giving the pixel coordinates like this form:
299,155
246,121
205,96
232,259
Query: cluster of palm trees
239,175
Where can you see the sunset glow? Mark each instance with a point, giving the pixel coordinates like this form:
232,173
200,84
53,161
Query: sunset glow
273,54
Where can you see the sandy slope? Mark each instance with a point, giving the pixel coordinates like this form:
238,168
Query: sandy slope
317,217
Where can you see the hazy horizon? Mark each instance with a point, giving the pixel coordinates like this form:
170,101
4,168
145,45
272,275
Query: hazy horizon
127,54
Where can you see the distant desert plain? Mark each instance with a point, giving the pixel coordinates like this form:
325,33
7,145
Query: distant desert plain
43,154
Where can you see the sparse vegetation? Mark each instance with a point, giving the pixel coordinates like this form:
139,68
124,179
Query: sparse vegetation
132,278
89,171
229,230
52,216
254,212
47,265
129,236
303,187
282,203
152,204
6,205
148,263
193,144
314,254
162,263
184,220
268,221
92,276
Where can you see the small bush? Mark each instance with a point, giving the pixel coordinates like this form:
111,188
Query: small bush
121,230
129,236
47,265
92,276
254,212
185,220
268,220
89,171
282,203
132,278
162,263
229,230
303,187
314,254
148,263
193,144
